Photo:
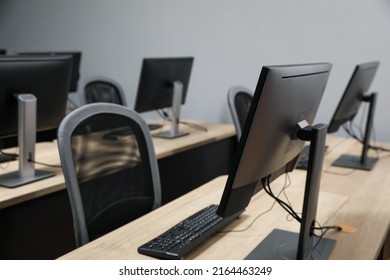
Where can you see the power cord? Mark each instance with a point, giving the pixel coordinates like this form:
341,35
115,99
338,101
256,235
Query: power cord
194,125
15,156
288,208
287,183
165,116
295,215
349,129
45,164
11,155
324,230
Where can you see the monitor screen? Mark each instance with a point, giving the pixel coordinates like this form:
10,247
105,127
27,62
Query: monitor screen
3,52
284,96
357,87
354,95
155,89
47,78
76,61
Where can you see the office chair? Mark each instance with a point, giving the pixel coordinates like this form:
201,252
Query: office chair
239,101
109,166
100,89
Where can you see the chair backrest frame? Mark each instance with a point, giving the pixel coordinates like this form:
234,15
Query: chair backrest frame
232,93
114,83
65,130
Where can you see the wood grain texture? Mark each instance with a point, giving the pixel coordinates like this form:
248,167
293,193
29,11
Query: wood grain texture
358,198
48,153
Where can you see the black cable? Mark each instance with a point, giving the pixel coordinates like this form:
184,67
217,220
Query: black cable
324,230
290,211
350,132
45,164
326,227
165,116
283,204
194,125
15,156
287,184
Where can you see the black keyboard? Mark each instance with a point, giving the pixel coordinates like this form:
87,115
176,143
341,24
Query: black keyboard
186,235
154,126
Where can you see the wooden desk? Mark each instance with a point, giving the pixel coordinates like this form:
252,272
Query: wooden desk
36,221
358,198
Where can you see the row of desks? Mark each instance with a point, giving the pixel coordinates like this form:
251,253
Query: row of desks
357,198
36,221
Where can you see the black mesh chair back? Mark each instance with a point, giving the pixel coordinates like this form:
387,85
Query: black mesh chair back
109,166
239,101
99,89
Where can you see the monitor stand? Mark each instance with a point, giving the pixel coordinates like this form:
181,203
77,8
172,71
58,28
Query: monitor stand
283,245
176,104
280,244
362,162
27,108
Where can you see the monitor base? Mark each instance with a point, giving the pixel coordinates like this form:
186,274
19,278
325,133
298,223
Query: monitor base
282,245
169,134
13,179
349,161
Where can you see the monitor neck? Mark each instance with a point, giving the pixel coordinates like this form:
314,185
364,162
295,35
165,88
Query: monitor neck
362,162
316,135
27,117
177,98
176,104
371,99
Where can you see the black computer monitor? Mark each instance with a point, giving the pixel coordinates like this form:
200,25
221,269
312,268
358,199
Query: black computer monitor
164,83
354,95
76,62
33,96
280,119
3,52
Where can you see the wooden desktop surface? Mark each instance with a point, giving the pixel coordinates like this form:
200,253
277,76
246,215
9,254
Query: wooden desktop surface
357,198
48,153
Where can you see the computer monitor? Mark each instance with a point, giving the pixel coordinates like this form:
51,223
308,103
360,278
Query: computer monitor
76,62
164,83
3,52
280,119
354,95
33,96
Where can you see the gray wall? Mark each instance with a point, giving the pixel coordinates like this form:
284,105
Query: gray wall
230,40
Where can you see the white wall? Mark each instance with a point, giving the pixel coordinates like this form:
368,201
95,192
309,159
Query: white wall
230,39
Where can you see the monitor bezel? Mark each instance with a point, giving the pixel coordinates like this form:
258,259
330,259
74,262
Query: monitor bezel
352,100
76,64
146,99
